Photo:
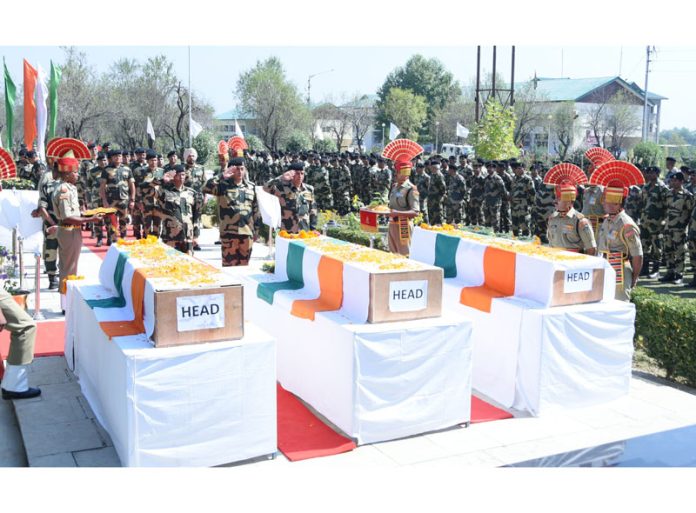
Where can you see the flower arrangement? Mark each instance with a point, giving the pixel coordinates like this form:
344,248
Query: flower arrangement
70,277
372,259
533,248
301,235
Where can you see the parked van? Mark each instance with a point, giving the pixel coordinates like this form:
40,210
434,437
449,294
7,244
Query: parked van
449,150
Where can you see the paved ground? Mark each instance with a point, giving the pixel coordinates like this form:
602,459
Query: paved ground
59,428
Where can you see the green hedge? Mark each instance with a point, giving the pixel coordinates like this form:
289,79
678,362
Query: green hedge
357,237
666,331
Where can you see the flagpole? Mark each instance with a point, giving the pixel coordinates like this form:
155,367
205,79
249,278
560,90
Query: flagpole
190,95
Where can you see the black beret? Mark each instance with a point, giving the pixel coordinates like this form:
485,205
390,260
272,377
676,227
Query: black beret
31,154
296,166
101,155
179,169
678,175
372,162
671,159
453,167
324,160
159,155
171,154
684,169
91,145
106,145
420,164
515,164
237,161
653,169
113,153
23,152
125,152
150,154
139,150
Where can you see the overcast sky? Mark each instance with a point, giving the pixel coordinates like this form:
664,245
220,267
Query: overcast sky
360,61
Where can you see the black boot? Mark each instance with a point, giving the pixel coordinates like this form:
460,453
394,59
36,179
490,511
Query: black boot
99,242
645,270
667,277
654,269
52,282
678,278
692,283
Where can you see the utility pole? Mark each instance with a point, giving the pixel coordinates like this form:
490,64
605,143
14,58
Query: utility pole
646,123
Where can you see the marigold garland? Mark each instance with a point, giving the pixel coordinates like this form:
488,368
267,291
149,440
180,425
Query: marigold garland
369,258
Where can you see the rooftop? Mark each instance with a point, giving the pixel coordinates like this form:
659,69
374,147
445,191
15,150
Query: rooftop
572,89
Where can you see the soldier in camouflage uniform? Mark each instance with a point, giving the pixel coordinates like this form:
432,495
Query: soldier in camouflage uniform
297,205
592,206
421,180
536,178
690,179
139,160
139,171
24,167
380,182
476,185
195,179
317,176
680,205
117,190
505,215
172,160
457,195
179,208
38,168
436,193
633,203
150,179
544,206
238,211
84,192
93,184
521,200
493,193
361,183
652,218
47,186
341,185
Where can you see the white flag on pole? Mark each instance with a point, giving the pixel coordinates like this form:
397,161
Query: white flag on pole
318,133
40,97
195,128
269,205
462,131
238,129
150,130
393,131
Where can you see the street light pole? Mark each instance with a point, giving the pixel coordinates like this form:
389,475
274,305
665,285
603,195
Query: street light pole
437,131
548,142
382,135
309,83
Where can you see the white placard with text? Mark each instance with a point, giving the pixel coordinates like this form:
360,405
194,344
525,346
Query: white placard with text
578,280
200,312
408,296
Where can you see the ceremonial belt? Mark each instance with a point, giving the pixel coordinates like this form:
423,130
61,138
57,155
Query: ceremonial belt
67,226
404,232
616,260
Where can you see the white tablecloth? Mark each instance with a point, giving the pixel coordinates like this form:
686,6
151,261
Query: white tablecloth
537,359
375,382
194,405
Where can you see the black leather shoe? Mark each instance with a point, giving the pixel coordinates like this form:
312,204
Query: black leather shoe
218,242
99,243
52,282
27,394
196,247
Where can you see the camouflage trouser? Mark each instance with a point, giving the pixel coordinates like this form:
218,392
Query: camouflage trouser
122,216
236,249
435,213
675,251
541,224
520,223
342,206
453,212
691,244
651,238
185,246
424,210
505,216
491,215
137,220
153,222
474,213
50,251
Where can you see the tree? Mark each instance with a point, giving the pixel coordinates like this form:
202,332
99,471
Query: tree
427,78
360,113
563,122
205,145
648,154
266,95
80,98
335,119
254,142
611,118
325,146
494,134
529,112
406,110
298,141
459,111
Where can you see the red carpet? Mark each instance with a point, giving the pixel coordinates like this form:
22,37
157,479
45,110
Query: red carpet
50,340
481,411
301,435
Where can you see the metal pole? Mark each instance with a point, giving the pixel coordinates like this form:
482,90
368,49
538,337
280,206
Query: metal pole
21,262
478,80
645,94
493,84
190,96
38,316
309,89
512,79
14,248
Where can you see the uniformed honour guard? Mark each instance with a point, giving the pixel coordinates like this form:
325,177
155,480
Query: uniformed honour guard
403,197
619,238
568,228
297,206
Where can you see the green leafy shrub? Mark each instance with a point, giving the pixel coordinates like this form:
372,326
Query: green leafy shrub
356,237
19,184
666,331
